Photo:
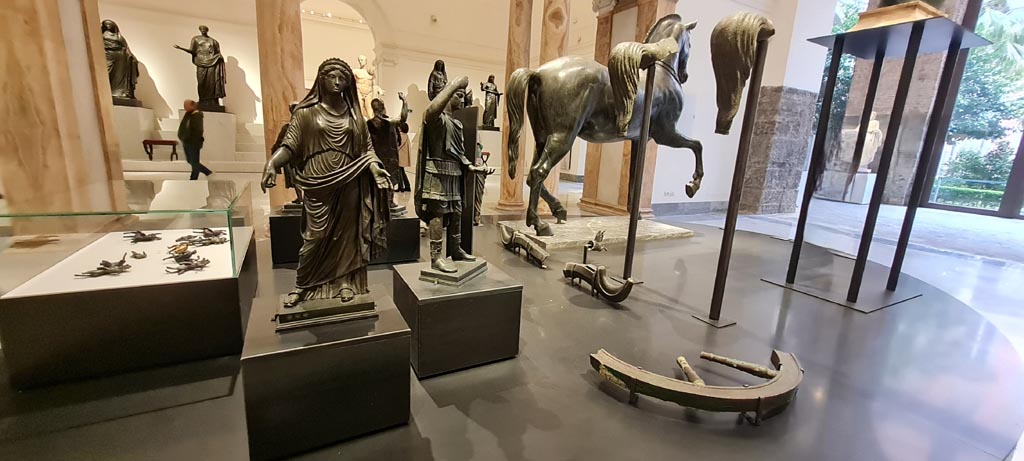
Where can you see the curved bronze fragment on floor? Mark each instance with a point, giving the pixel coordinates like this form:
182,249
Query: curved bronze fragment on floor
516,241
764,400
599,280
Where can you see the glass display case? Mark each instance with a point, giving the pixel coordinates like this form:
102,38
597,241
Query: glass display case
168,277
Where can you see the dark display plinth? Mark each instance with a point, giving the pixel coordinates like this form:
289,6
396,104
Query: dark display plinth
127,102
324,311
285,235
286,238
310,388
459,327
488,128
465,273
69,336
208,106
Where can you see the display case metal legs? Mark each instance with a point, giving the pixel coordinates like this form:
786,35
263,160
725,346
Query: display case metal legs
924,36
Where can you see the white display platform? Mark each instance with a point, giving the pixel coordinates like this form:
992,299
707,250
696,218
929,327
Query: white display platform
60,278
219,130
860,190
134,124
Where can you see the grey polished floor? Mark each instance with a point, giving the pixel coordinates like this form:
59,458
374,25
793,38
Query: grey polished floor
929,379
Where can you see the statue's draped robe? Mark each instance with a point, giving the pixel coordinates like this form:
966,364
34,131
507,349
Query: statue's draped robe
210,77
122,67
490,103
386,139
345,215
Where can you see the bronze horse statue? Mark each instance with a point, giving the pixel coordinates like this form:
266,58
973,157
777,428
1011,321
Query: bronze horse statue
573,97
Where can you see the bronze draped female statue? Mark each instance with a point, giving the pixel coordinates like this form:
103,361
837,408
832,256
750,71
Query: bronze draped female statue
437,80
344,188
122,67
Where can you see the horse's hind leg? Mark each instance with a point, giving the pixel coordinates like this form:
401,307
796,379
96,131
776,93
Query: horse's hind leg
668,136
535,181
555,148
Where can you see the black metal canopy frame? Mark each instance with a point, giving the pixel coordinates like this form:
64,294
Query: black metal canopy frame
908,41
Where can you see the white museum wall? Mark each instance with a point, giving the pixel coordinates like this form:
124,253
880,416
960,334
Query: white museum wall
167,76
323,39
675,166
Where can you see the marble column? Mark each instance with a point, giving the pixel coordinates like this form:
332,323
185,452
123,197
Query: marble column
592,167
59,153
517,54
554,40
279,36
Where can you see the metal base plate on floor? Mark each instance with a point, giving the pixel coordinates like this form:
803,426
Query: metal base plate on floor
832,288
467,270
324,311
720,323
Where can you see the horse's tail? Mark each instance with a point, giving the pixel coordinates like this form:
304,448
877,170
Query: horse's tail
515,98
733,51
624,71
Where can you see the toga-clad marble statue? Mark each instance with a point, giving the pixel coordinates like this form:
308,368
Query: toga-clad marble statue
210,76
122,67
344,188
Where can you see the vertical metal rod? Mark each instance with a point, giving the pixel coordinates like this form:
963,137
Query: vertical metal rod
891,136
738,175
865,115
637,180
817,154
931,138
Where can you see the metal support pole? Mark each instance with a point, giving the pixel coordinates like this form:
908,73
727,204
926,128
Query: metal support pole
817,155
888,149
738,175
636,182
931,138
865,115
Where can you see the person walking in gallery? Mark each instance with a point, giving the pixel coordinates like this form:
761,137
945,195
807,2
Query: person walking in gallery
190,133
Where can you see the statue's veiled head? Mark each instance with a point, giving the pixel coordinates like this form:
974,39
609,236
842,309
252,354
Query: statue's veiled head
490,79
109,25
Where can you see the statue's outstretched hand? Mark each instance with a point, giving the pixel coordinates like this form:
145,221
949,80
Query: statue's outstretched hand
269,179
484,170
381,177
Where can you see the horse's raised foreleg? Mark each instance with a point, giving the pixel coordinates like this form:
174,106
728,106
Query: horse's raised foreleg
672,138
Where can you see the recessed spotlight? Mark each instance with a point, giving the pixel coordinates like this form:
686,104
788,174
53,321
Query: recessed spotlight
328,14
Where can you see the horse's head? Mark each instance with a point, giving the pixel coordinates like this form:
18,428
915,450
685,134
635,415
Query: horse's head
672,26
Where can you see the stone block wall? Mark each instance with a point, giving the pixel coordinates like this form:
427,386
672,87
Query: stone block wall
779,150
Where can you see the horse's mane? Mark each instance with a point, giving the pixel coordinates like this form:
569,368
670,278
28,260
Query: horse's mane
624,70
733,50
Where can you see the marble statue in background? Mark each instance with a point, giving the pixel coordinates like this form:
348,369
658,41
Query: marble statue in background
386,136
344,188
491,99
122,67
437,80
366,84
210,74
872,143
439,182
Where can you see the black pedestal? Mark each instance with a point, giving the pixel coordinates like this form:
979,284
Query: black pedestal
286,239
459,327
128,102
306,389
61,337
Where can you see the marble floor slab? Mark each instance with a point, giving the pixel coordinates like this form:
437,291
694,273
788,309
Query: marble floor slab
576,232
